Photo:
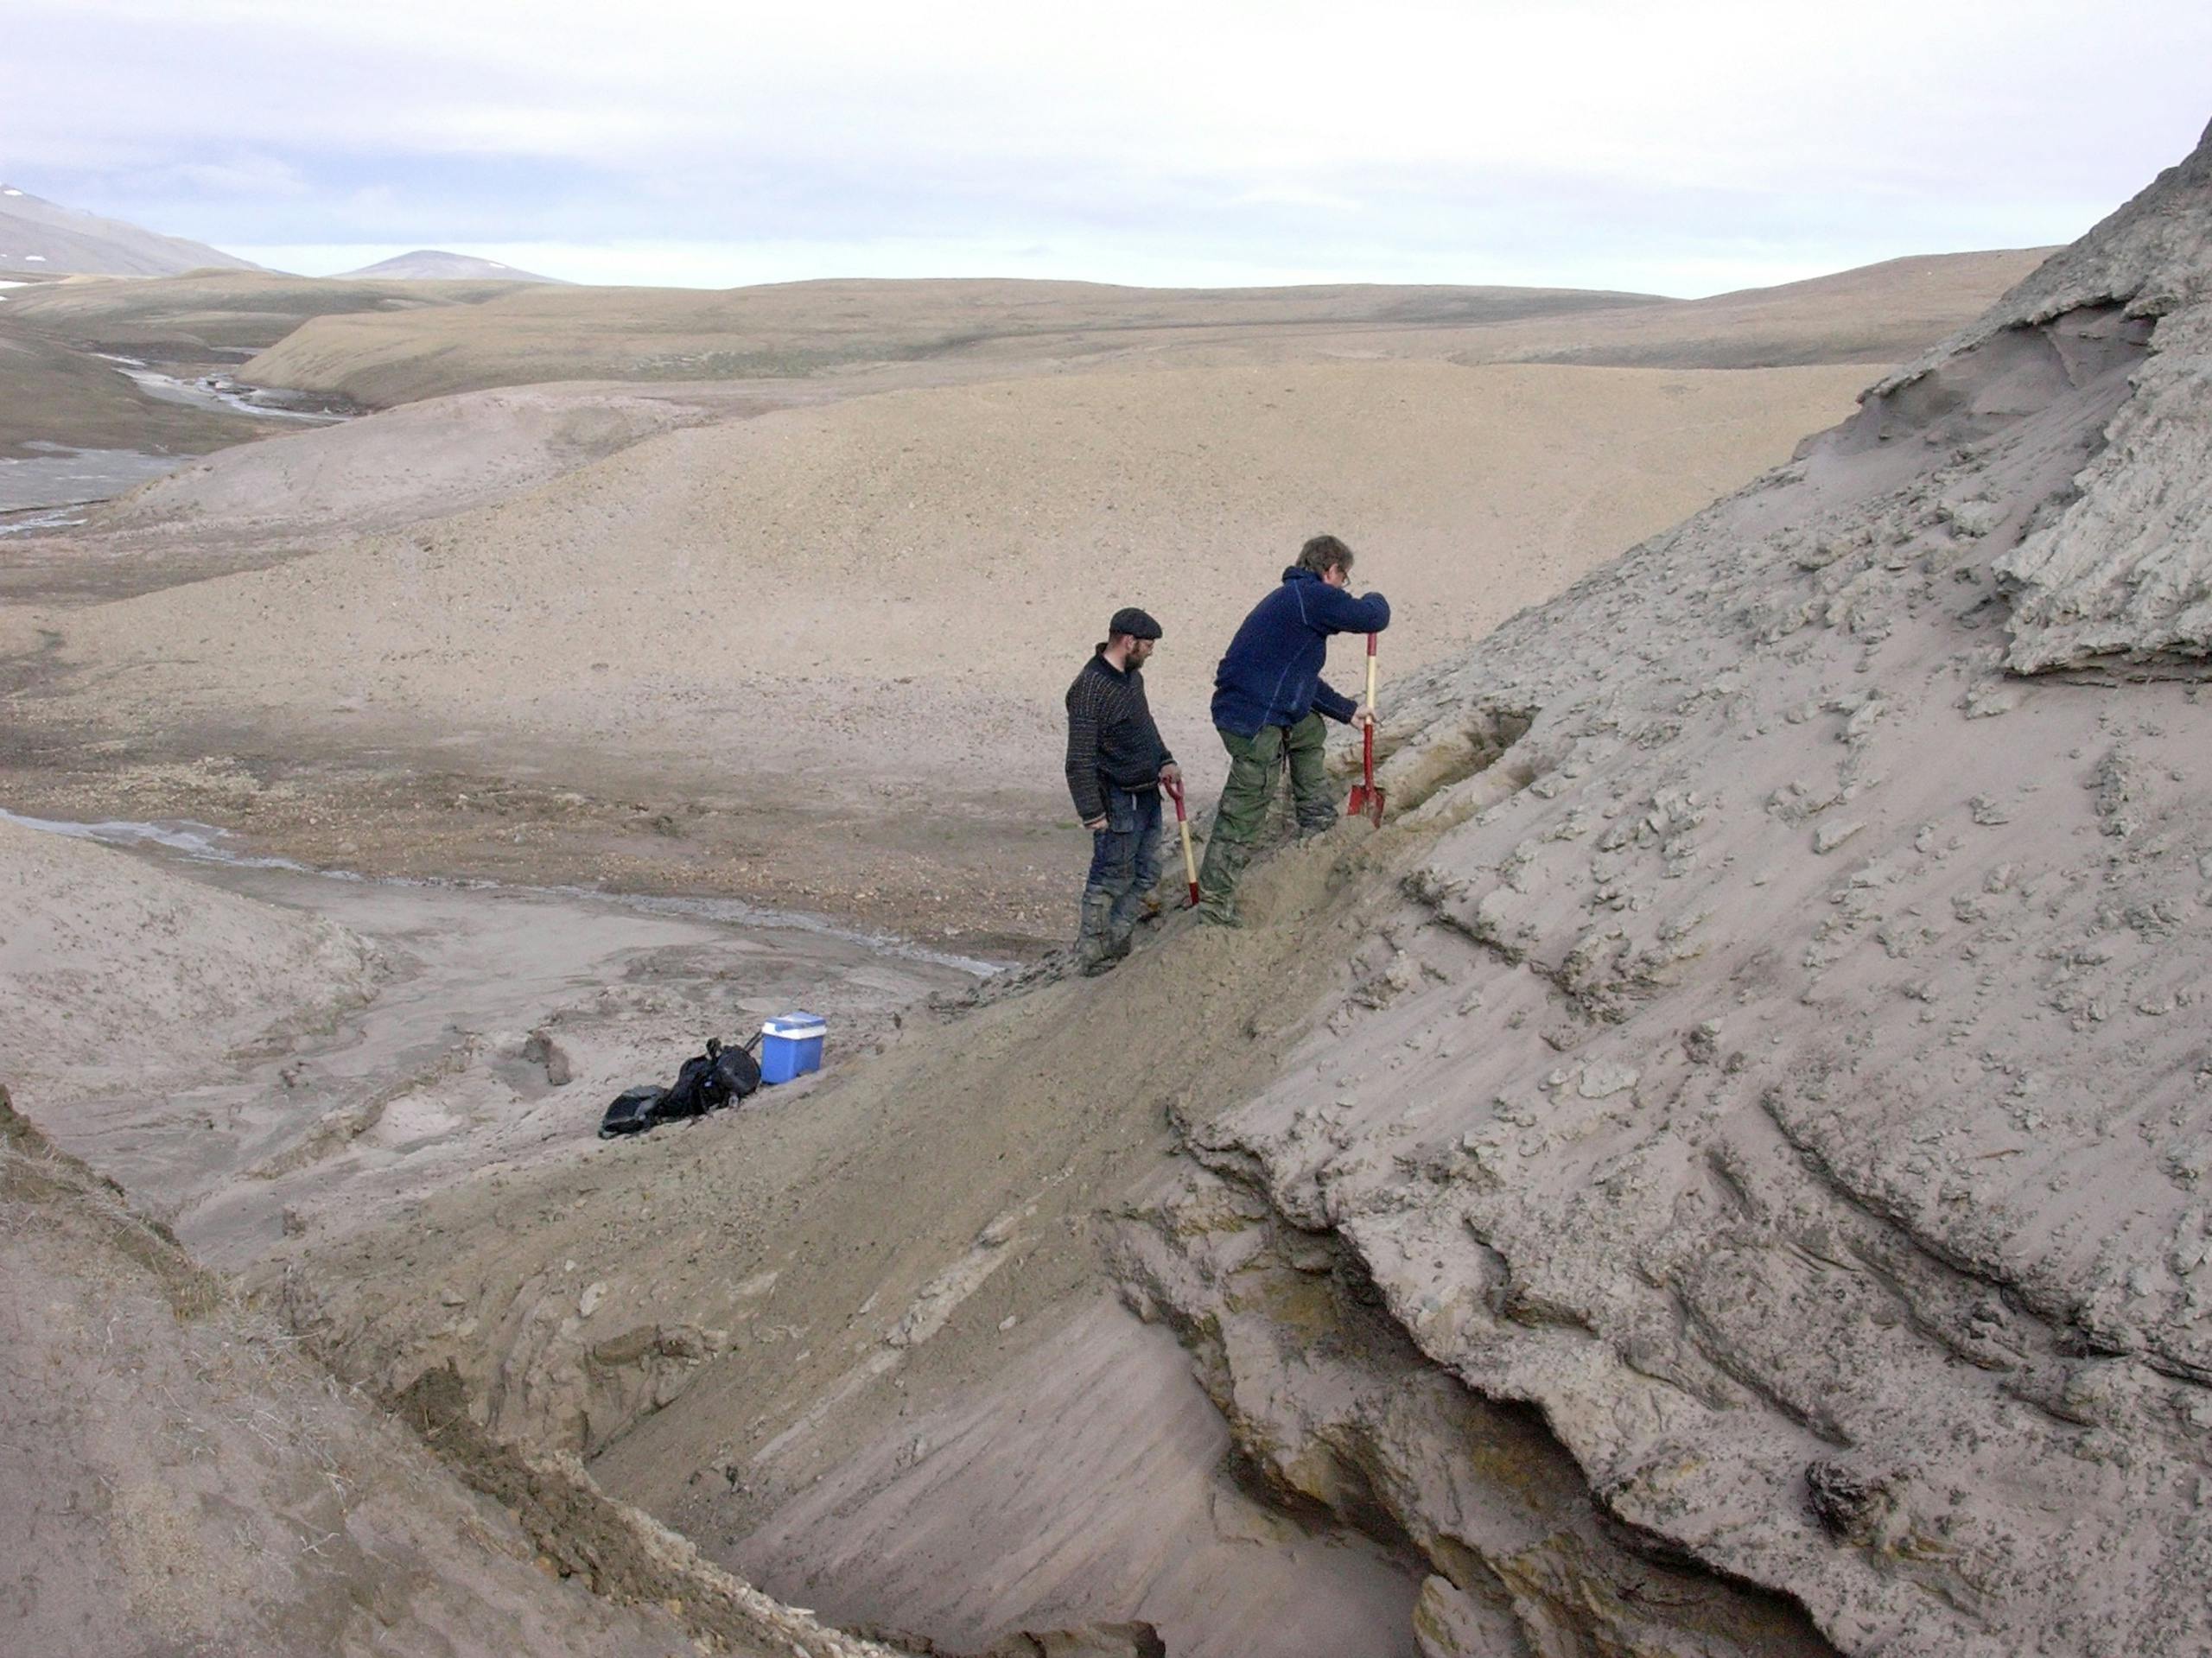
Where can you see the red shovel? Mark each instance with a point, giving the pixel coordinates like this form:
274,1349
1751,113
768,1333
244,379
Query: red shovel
1182,823
1366,799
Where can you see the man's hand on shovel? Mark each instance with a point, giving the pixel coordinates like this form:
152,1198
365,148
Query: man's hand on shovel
1366,799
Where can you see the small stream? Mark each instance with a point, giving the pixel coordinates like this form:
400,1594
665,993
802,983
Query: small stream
43,520
220,394
48,489
206,843
54,483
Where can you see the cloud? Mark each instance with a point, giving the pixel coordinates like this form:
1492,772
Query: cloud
1704,136
246,175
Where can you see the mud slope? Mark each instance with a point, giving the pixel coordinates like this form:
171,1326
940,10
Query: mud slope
181,1480
859,1347
1798,1091
179,1477
1719,1174
112,971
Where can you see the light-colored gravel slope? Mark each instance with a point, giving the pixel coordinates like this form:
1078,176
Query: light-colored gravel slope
899,585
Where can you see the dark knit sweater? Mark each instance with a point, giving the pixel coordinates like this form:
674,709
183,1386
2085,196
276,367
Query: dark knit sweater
1272,675
1111,738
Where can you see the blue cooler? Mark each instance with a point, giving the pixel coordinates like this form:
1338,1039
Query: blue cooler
790,1046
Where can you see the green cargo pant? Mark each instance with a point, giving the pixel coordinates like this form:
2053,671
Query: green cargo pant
1253,762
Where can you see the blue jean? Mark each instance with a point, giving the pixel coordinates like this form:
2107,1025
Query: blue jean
1125,854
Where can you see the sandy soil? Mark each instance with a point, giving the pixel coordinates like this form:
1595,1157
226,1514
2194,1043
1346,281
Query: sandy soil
181,1480
293,1110
846,1284
110,971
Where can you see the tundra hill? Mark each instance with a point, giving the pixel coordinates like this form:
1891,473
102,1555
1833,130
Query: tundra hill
860,533
45,238
55,390
436,264
1719,1172
1880,316
1866,316
794,328
424,460
52,395
216,316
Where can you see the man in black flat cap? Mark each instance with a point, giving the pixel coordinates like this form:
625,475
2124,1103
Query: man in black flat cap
1116,765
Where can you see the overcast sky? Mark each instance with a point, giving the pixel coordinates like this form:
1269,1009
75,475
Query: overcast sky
1676,148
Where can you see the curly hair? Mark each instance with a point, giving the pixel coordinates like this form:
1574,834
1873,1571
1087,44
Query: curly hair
1324,554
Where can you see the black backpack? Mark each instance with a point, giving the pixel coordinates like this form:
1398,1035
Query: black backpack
707,1082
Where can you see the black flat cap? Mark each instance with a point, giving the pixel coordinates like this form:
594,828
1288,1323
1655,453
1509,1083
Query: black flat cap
1135,622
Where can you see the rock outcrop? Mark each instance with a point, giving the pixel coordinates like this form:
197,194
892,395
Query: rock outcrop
1780,1098
2120,575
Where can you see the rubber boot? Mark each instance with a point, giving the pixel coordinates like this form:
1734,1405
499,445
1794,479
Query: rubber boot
1094,943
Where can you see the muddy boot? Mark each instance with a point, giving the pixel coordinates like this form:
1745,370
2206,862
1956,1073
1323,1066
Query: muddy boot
1224,861
1094,943
1120,938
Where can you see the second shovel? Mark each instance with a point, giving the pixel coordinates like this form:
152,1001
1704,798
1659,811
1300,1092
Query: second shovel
1183,824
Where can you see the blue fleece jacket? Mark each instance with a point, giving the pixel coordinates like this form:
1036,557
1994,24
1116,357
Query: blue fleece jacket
1272,675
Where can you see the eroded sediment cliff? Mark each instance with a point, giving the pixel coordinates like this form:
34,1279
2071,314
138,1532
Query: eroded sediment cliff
1782,1087
1718,1173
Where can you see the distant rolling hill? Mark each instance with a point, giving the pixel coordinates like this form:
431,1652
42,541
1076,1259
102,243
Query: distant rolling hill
1875,316
44,238
434,264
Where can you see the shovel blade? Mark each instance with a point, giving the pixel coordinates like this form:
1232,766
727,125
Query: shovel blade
1366,802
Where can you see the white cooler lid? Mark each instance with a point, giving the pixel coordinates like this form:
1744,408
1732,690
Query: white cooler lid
797,1027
